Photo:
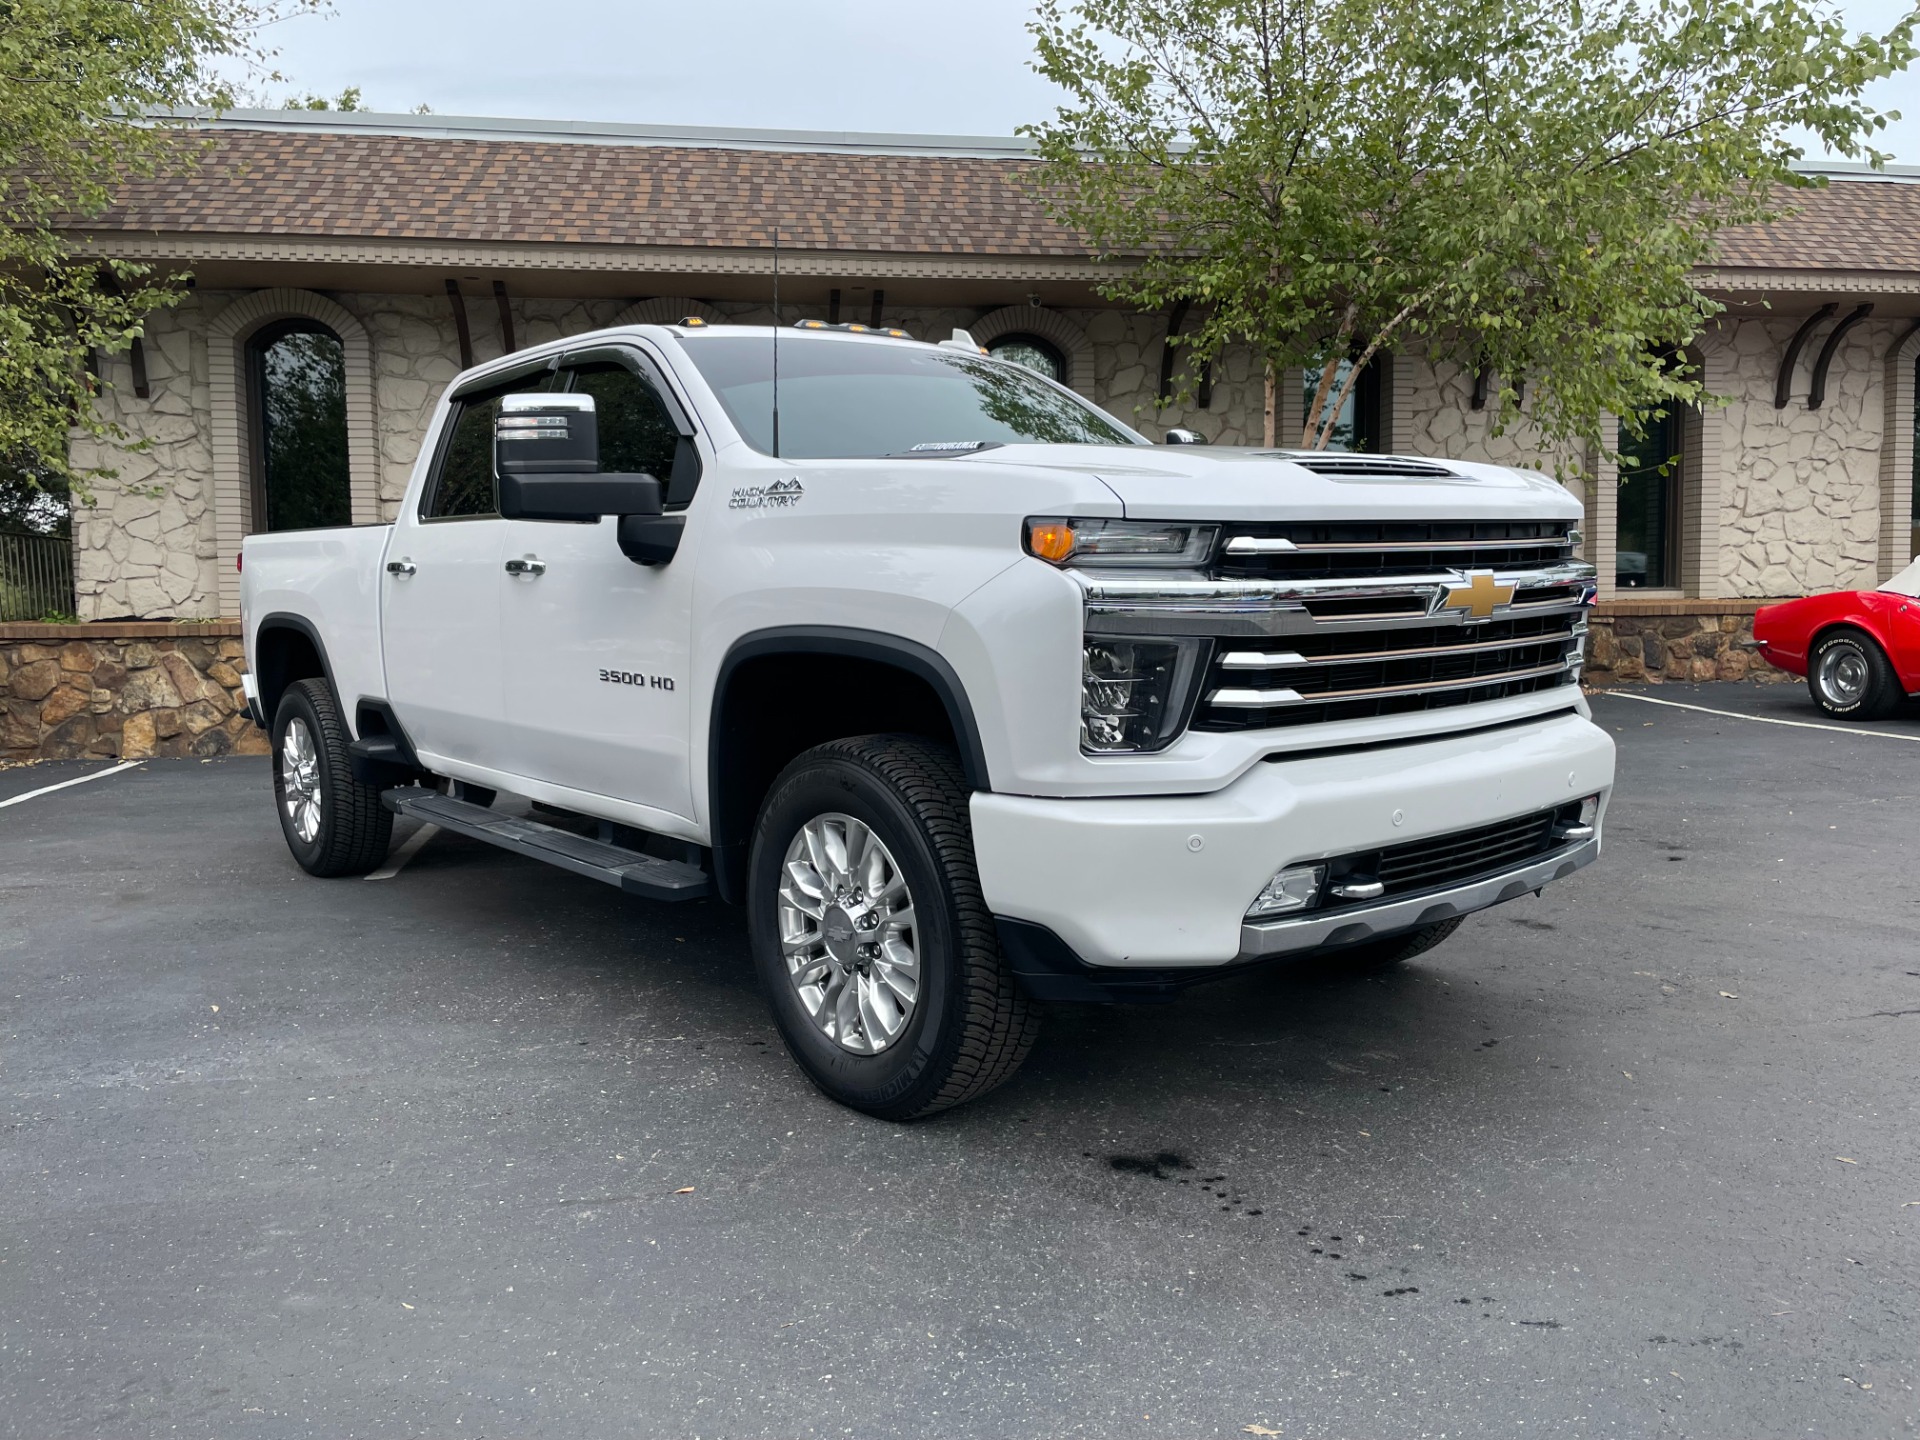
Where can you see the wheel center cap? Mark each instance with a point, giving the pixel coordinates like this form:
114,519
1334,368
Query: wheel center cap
840,932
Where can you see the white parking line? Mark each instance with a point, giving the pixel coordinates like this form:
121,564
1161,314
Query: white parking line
81,780
1761,719
414,844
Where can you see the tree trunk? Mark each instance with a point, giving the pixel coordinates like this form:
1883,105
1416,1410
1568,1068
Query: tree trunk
1270,430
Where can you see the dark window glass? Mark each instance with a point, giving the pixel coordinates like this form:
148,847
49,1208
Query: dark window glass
464,486
300,399
1033,352
1358,425
1649,483
849,398
637,436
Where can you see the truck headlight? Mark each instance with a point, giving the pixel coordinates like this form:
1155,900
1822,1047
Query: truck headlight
1129,544
1135,694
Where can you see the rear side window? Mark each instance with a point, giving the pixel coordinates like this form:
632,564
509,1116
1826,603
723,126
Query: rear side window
463,487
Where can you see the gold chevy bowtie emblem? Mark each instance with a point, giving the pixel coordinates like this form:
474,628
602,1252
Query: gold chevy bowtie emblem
1479,595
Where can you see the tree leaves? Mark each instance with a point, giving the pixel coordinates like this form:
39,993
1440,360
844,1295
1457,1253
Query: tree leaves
1515,185
85,91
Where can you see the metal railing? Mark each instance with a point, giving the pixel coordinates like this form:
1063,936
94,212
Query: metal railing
36,576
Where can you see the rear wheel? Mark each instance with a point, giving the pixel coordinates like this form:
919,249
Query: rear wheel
1849,677
1372,956
334,824
876,949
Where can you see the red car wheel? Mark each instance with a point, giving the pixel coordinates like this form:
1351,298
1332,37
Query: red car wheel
1849,677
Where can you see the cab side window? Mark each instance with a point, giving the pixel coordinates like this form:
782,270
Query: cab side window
463,487
637,434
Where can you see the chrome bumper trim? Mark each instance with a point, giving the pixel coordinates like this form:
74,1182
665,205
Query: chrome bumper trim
1351,924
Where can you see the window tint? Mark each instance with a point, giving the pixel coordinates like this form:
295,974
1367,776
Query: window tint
637,435
464,486
880,397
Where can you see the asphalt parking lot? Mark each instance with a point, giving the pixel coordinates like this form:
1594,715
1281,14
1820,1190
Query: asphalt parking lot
486,1149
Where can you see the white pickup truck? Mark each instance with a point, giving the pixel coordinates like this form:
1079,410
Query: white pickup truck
972,695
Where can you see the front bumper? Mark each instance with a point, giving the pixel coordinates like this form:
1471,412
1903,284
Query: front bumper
1163,883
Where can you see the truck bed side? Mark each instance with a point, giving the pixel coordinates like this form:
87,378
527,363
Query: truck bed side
320,589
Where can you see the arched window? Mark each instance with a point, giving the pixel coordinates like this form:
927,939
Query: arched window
1040,356
297,373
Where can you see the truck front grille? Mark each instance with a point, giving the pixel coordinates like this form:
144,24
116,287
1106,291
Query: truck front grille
1373,549
1441,862
1309,679
1315,622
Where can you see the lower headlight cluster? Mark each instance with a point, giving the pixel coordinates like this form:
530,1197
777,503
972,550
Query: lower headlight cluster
1295,888
1134,694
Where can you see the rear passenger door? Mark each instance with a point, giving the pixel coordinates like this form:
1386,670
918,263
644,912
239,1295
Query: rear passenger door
597,695
442,592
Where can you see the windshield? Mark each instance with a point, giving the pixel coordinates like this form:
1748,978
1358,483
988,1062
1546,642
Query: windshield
1907,582
841,399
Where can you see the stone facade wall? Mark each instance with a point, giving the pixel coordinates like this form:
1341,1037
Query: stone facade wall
145,541
1636,642
1800,506
1800,493
123,691
144,545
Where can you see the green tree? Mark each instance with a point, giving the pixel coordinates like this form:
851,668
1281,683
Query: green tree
1526,187
76,78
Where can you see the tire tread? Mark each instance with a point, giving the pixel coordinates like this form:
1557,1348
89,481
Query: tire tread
999,1023
359,829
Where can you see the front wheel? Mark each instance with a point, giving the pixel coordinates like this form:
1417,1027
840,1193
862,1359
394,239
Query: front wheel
875,947
334,824
1849,677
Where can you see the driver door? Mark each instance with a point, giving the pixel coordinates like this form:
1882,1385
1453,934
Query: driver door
597,694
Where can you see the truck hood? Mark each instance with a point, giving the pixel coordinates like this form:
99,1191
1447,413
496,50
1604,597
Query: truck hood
1218,482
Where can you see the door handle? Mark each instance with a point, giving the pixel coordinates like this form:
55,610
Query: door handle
528,566
401,567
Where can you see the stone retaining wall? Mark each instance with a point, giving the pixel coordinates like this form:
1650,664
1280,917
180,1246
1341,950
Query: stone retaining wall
1639,641
126,691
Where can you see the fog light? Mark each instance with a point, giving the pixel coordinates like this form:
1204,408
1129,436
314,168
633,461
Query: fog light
1579,824
1295,888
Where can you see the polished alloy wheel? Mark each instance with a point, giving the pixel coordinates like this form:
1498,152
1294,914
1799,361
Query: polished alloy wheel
300,780
847,933
1842,675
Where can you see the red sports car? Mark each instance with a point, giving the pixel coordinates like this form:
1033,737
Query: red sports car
1859,649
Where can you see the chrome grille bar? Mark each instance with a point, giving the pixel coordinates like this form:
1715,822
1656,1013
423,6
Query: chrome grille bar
1274,545
1247,660
1272,699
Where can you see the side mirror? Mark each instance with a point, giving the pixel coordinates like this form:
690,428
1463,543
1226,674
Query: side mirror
546,457
1183,437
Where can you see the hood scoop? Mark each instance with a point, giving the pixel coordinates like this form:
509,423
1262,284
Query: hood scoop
1366,465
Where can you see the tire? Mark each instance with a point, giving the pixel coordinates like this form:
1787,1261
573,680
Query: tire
1370,957
334,824
965,1026
1849,677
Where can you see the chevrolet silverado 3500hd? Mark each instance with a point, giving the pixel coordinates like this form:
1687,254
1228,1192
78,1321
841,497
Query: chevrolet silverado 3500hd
970,694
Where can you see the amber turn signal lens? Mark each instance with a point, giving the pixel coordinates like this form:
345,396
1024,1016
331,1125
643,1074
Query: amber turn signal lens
1050,540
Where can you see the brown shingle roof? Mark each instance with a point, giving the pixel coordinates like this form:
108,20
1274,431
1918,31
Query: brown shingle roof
518,191
374,185
1850,225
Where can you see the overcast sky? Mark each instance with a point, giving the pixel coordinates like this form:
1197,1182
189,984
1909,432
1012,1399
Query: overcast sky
947,66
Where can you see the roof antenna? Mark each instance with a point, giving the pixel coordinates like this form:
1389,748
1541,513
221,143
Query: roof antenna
776,341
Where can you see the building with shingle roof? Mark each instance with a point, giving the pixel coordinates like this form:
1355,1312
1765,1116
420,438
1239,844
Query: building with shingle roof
407,247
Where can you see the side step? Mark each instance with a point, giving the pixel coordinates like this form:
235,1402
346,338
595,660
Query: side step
633,872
